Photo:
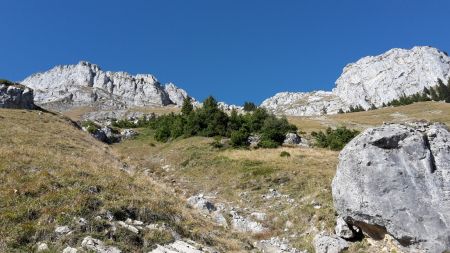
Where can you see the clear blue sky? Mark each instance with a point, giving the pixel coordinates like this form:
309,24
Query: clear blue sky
236,50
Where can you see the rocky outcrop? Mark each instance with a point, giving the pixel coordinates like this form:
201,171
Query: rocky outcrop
372,80
16,96
304,103
395,180
85,84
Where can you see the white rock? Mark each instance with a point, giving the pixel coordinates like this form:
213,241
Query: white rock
243,224
329,244
181,246
42,246
98,246
70,250
128,227
86,84
62,230
371,80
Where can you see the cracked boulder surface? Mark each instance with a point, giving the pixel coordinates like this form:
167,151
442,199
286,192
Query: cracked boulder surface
395,179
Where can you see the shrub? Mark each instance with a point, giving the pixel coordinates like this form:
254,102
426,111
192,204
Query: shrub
267,143
211,121
285,154
249,106
239,138
334,139
90,126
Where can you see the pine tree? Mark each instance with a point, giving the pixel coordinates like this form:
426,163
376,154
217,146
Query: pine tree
187,107
433,94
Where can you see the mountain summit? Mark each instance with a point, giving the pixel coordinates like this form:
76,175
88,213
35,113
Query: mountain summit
85,84
372,80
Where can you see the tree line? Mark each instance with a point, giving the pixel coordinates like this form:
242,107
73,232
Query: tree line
209,121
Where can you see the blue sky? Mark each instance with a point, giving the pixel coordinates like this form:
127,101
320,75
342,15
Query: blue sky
235,50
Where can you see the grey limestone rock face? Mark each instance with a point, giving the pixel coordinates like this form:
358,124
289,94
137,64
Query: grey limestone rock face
85,84
372,80
16,96
395,179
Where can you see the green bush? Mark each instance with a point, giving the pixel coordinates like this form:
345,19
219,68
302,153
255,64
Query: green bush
249,106
285,154
90,126
211,121
239,138
334,139
267,143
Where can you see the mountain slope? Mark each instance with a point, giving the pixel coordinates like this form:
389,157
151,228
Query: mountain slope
372,80
85,84
56,178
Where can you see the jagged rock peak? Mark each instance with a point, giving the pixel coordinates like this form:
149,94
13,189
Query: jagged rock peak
383,78
372,80
86,84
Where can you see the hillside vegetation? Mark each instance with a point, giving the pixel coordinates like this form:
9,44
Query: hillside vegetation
52,174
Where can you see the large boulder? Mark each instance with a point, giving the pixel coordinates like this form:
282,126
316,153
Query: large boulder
395,179
15,96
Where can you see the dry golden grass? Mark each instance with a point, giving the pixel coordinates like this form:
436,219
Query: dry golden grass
431,111
47,168
77,113
241,177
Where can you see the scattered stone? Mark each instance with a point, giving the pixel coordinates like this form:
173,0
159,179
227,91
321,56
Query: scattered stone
98,246
62,230
243,224
201,203
41,246
276,245
395,179
128,133
70,250
128,227
180,246
259,216
329,244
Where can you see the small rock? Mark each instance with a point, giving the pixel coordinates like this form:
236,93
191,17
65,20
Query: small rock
128,227
329,244
61,230
70,250
98,246
201,203
292,139
243,224
342,229
42,246
128,133
259,216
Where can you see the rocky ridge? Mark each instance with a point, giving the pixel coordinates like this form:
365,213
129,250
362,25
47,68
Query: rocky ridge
85,84
15,96
372,80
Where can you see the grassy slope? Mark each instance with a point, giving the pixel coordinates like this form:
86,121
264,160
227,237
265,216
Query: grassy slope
241,177
48,169
193,166
432,111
